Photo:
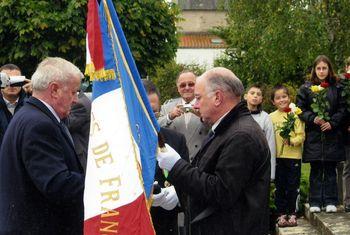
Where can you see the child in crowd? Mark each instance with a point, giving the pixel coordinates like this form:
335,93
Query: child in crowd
324,145
288,158
254,98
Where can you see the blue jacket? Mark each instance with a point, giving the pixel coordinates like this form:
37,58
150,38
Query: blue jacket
41,179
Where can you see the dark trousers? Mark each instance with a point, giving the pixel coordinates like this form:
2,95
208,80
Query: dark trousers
287,183
323,184
346,177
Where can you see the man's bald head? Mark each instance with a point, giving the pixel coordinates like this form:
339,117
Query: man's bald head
223,79
217,91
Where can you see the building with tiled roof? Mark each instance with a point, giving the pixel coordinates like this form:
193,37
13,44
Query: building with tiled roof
197,45
201,40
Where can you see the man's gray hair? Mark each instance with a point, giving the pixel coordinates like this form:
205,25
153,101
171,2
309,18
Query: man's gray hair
54,69
224,79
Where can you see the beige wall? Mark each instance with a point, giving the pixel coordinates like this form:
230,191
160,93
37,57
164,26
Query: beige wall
201,21
201,56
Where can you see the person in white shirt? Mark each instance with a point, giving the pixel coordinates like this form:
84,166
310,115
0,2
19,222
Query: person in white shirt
254,98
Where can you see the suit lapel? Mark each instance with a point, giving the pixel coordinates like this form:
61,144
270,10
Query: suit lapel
193,126
42,107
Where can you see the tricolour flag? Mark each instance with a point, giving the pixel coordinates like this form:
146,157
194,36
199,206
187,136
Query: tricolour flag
123,132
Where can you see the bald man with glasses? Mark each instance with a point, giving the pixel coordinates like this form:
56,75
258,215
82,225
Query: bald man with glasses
178,114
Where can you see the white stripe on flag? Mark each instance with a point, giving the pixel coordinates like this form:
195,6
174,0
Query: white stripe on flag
112,179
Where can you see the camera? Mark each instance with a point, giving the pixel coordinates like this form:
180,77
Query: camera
156,188
6,81
186,108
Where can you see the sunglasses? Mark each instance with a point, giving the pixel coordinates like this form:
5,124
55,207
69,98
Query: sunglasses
184,84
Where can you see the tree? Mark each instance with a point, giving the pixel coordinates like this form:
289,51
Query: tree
276,41
150,30
31,30
338,27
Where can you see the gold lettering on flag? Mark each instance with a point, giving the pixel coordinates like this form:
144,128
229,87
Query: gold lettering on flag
108,221
103,157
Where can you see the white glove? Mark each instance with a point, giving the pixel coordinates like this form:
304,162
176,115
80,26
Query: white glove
171,199
167,159
158,199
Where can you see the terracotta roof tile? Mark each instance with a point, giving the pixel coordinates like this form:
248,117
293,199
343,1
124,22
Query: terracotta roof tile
201,41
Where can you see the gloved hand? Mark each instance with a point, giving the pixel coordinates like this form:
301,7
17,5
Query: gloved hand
158,199
171,199
166,160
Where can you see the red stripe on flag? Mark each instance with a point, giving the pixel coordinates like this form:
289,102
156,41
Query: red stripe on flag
130,219
94,35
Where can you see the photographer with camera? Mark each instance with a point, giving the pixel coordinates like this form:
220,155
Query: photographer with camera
12,94
178,114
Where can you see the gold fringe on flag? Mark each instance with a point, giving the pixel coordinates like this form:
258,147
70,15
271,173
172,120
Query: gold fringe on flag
99,75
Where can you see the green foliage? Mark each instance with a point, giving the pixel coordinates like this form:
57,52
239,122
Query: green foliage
346,90
287,126
31,30
150,30
276,41
165,78
304,185
320,103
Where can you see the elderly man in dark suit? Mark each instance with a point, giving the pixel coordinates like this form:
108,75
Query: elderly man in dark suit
41,180
228,181
78,123
165,207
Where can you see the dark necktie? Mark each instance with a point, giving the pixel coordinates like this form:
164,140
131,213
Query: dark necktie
209,137
65,129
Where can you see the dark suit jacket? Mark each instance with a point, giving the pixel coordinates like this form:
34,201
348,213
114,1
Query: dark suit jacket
5,114
79,126
164,221
229,181
41,180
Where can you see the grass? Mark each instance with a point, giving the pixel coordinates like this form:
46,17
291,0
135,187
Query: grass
304,186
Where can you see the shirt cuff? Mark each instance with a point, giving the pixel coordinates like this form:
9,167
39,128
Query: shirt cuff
168,121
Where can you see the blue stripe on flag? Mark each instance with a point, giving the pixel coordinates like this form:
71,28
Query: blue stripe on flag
143,126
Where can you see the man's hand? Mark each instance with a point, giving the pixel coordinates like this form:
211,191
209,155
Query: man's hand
28,87
176,112
158,199
167,198
171,199
168,158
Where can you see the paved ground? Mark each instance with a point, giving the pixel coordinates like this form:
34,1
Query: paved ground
320,223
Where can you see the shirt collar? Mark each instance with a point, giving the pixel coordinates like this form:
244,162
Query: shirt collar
184,102
8,103
51,110
218,122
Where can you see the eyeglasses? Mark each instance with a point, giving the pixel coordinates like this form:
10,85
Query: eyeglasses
184,84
